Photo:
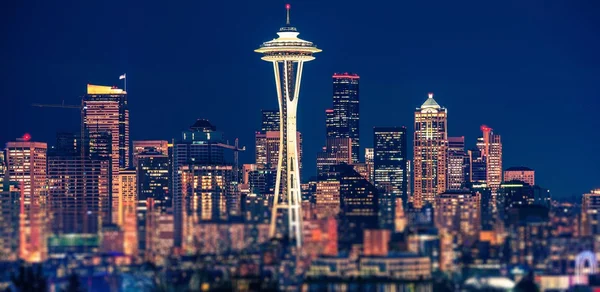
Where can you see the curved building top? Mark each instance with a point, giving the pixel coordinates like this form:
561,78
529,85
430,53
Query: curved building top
430,105
288,45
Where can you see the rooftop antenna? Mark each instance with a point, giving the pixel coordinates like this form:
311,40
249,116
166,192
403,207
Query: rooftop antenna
287,7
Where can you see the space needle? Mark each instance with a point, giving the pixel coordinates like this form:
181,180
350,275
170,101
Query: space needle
288,54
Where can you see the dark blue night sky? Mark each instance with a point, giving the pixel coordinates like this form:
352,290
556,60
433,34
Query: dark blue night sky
528,69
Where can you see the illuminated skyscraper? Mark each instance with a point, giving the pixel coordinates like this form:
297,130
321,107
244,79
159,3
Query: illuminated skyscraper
206,189
105,109
288,54
430,150
270,121
343,120
201,148
520,173
390,170
491,149
128,194
456,162
26,166
153,177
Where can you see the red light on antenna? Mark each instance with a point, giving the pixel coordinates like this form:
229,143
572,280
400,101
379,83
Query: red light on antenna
288,6
485,128
26,137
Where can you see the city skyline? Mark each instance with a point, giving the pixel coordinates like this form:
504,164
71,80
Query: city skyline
463,94
125,195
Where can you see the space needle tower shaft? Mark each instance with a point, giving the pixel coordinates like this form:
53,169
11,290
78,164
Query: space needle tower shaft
288,54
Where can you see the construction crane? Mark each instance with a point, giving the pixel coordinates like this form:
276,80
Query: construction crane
67,106
236,149
62,105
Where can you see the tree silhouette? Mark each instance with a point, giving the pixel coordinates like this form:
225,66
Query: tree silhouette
29,278
73,284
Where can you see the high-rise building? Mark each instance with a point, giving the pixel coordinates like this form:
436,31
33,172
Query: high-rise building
520,173
458,213
206,191
262,182
369,161
161,146
390,170
456,162
153,196
105,109
26,166
270,121
491,149
79,186
336,151
288,54
590,213
153,177
200,146
476,171
343,120
430,150
267,149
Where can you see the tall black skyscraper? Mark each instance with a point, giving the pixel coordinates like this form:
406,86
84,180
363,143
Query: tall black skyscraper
390,169
343,119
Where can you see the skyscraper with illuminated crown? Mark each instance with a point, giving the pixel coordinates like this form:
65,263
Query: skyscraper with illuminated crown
430,152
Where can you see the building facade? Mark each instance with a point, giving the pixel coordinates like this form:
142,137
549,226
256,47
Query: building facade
520,173
590,213
26,166
389,165
79,187
430,150
343,119
370,161
105,109
270,121
267,149
491,148
458,213
456,162
336,151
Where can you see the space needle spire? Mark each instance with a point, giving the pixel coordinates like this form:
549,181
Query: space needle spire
288,54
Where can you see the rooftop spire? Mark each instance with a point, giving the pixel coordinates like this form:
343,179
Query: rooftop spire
287,8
